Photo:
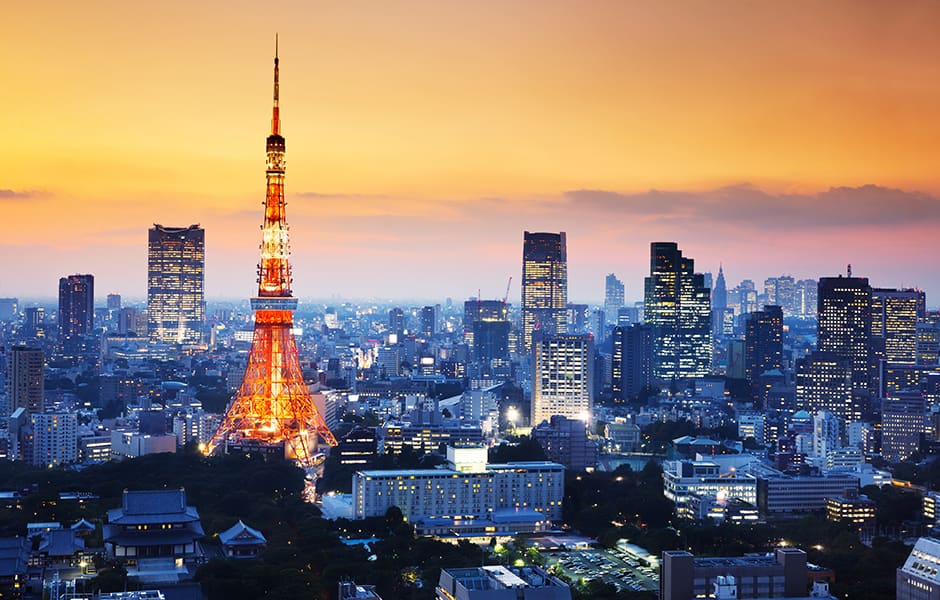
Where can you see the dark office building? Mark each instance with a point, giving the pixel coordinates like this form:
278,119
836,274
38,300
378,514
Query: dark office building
76,306
396,321
427,320
763,342
678,307
632,361
544,286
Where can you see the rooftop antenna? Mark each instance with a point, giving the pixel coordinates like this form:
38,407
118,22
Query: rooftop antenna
849,270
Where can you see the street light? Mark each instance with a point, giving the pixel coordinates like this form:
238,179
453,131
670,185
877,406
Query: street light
512,416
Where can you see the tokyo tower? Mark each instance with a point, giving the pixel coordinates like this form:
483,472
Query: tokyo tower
273,405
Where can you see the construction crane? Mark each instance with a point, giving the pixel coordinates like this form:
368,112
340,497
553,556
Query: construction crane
506,295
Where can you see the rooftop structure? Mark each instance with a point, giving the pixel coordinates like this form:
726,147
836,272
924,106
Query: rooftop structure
499,582
919,577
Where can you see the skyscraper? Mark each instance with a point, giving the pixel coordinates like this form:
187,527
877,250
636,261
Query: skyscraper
824,382
903,416
719,300
844,325
678,306
563,377
895,314
781,291
613,297
24,380
76,306
632,361
427,320
486,329
396,320
176,308
763,342
544,285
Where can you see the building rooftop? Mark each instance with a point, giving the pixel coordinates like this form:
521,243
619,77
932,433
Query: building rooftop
153,506
499,578
924,560
241,534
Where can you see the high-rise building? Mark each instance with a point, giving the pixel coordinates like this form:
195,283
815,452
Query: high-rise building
807,291
824,382
678,306
844,325
720,291
35,319
428,320
763,342
176,308
76,306
8,309
114,302
719,300
613,297
131,322
894,318
24,380
55,438
396,320
563,377
632,361
567,441
579,318
903,418
928,344
544,286
781,291
486,329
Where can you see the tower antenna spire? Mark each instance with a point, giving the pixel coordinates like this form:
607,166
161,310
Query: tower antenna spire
276,116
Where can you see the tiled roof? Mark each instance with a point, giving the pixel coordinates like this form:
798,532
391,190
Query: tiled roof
241,534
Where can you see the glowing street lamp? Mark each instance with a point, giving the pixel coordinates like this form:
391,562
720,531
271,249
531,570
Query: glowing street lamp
512,416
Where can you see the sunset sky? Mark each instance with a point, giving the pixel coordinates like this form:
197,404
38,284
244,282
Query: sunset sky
423,138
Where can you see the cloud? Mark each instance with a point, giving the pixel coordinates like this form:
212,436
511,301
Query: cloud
336,196
17,195
838,207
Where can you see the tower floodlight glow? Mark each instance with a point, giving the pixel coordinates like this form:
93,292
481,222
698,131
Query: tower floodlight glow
273,404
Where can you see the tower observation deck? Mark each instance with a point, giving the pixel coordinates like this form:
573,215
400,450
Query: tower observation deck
273,405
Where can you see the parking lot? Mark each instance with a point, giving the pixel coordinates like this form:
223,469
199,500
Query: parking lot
619,567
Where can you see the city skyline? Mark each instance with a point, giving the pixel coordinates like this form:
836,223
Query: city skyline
416,145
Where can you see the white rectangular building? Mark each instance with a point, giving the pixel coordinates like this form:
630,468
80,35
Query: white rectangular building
468,491
55,438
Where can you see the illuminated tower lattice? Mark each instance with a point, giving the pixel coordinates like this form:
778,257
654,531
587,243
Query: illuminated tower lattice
273,404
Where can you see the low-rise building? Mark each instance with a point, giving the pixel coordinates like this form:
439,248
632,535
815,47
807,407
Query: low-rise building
683,479
779,494
852,507
499,583
783,574
241,541
131,444
919,577
468,496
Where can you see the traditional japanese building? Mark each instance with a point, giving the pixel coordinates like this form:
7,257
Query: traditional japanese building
155,533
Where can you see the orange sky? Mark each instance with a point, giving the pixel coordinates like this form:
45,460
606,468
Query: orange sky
424,137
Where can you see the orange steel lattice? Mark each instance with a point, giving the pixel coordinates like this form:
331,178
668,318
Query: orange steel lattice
273,404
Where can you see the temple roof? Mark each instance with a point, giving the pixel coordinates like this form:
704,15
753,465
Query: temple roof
241,534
